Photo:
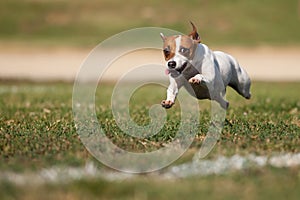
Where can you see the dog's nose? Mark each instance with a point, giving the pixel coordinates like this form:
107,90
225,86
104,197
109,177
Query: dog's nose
172,64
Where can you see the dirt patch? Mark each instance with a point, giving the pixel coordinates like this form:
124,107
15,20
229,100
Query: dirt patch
43,64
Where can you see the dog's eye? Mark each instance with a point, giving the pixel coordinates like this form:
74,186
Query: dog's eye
184,51
167,52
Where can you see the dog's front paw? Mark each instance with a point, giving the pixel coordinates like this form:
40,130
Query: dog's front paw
167,104
194,80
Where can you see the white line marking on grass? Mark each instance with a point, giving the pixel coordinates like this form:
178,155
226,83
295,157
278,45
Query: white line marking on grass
223,165
220,165
62,175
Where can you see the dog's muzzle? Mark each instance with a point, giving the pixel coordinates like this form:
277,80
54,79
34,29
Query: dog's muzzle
172,67
182,67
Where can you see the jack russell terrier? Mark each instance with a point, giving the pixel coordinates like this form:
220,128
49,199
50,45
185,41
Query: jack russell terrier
208,72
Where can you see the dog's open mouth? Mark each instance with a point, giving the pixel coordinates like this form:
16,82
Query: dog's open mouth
182,67
176,71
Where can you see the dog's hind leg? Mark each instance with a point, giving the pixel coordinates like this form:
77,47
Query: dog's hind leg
219,96
241,82
223,103
244,84
246,89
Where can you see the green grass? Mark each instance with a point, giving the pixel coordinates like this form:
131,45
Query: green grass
86,23
36,126
37,131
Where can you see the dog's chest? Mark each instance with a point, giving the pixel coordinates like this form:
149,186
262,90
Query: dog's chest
191,71
200,91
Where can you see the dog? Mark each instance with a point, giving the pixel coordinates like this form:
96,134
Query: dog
207,72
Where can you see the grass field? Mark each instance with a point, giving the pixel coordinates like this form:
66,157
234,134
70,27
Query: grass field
86,23
37,131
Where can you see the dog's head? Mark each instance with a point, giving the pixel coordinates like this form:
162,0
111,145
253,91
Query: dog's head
179,50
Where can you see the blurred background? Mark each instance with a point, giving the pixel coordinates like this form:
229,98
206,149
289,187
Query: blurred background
49,39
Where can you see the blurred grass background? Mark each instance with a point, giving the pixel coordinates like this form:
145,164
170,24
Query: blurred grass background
86,23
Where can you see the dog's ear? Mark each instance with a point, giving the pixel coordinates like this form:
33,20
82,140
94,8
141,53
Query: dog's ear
162,36
194,34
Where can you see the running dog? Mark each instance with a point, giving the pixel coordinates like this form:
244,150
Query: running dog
208,72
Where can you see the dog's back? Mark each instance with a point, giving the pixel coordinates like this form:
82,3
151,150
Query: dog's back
232,73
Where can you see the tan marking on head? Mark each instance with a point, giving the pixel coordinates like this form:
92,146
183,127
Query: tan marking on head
189,44
169,47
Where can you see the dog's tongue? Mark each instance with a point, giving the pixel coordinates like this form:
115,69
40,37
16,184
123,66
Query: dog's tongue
167,72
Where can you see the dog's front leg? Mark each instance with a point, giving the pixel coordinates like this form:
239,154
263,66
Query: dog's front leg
198,79
171,94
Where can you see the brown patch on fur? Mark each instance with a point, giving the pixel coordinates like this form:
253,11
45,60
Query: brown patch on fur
187,42
169,47
190,44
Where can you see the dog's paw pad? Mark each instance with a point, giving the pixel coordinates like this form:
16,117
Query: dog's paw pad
194,80
167,104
